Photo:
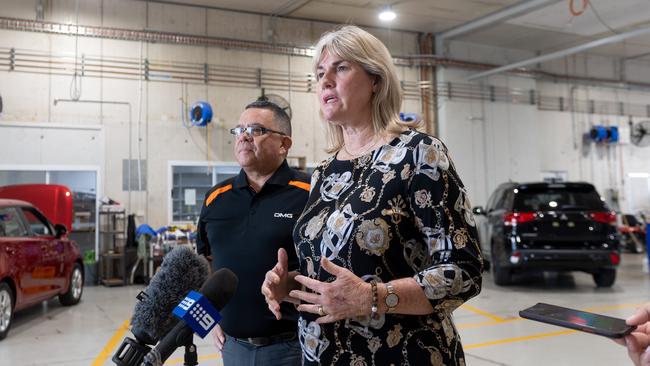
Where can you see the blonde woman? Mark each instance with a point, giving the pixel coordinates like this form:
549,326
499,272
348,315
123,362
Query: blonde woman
387,244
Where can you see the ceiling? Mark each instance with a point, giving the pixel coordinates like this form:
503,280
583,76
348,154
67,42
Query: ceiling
549,28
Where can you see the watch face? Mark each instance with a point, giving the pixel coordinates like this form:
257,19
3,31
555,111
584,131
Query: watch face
392,300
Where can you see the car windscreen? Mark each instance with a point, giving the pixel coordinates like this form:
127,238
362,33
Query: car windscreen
559,197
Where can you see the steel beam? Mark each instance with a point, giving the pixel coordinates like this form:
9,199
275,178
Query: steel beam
498,16
562,53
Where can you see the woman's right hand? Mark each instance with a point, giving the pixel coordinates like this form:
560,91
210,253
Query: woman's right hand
276,285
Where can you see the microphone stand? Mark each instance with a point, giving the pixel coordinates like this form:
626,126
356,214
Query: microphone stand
191,357
181,335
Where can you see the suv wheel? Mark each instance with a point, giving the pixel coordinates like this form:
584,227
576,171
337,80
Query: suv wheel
6,309
605,278
502,275
75,289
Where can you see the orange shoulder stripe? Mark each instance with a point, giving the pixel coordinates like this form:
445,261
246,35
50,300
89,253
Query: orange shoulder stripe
299,184
217,192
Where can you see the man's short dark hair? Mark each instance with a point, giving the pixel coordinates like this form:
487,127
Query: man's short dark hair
280,116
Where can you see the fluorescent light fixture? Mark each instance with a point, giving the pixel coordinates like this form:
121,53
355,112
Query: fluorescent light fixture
638,175
387,14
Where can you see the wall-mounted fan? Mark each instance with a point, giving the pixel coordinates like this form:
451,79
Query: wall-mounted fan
640,133
277,100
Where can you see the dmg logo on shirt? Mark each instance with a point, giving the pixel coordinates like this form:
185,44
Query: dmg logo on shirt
283,215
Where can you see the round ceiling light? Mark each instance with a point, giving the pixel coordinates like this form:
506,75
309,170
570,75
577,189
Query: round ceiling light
387,14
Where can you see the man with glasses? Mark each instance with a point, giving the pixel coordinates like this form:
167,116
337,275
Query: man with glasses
244,222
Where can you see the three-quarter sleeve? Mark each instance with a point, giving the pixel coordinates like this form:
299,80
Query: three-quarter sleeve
450,272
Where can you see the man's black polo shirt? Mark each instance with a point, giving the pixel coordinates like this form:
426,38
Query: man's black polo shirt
243,231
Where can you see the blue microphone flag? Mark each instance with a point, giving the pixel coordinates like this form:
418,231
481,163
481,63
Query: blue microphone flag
198,313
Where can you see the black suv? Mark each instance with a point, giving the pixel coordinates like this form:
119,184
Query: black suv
548,226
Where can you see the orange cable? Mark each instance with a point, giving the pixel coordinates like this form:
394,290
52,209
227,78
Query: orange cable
572,9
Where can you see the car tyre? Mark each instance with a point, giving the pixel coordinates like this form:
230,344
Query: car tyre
73,296
605,278
502,275
6,309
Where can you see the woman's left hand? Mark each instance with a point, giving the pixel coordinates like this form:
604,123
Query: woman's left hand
347,297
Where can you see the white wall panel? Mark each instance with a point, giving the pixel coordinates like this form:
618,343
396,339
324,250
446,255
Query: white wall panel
124,14
235,25
41,144
177,19
489,142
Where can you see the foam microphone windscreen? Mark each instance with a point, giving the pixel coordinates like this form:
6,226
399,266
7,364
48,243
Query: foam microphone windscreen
181,271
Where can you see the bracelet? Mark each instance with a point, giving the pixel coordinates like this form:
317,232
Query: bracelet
374,308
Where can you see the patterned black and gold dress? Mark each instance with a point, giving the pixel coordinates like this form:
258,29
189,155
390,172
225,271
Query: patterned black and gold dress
399,211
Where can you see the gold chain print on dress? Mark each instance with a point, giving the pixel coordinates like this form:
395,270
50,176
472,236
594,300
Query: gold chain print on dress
398,211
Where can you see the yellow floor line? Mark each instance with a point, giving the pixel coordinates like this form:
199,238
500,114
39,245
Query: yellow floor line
508,320
483,313
519,339
112,343
105,354
486,324
534,336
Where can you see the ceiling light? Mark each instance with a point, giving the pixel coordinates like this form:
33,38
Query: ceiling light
387,14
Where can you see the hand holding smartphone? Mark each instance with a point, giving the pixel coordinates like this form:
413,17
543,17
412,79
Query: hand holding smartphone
579,320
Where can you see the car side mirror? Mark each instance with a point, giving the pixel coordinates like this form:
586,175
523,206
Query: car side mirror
60,230
478,210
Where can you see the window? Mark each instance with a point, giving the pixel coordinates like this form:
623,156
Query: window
493,199
568,198
10,225
82,184
190,183
36,224
9,177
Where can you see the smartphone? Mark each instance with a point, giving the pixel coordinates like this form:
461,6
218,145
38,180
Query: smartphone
578,320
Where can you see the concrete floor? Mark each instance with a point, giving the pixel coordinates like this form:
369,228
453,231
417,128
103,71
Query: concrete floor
492,333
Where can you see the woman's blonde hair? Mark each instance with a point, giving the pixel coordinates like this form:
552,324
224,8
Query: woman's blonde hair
354,44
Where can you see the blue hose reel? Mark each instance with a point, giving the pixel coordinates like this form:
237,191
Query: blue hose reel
201,114
409,117
607,134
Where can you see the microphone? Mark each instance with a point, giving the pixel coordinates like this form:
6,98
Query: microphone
181,271
199,316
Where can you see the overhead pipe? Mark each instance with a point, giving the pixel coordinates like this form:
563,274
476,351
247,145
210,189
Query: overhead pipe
498,16
562,53
149,36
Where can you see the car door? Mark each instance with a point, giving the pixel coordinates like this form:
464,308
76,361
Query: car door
495,213
484,224
49,273
21,255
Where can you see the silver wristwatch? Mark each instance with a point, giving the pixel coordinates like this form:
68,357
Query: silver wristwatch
391,298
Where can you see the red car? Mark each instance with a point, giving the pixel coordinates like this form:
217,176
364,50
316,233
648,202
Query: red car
37,261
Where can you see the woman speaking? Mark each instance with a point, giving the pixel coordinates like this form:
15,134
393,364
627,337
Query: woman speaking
387,243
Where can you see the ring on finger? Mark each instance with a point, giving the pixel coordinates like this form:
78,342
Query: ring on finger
321,311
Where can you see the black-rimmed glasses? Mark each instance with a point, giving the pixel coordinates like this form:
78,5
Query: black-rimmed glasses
253,131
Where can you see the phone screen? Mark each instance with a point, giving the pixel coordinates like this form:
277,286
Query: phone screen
576,319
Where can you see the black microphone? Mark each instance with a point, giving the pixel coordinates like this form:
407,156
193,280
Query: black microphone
218,290
181,271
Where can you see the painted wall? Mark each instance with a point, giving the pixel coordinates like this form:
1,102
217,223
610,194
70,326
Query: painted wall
494,142
148,125
489,142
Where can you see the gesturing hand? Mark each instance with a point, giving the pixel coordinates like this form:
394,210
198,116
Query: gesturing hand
275,287
347,297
